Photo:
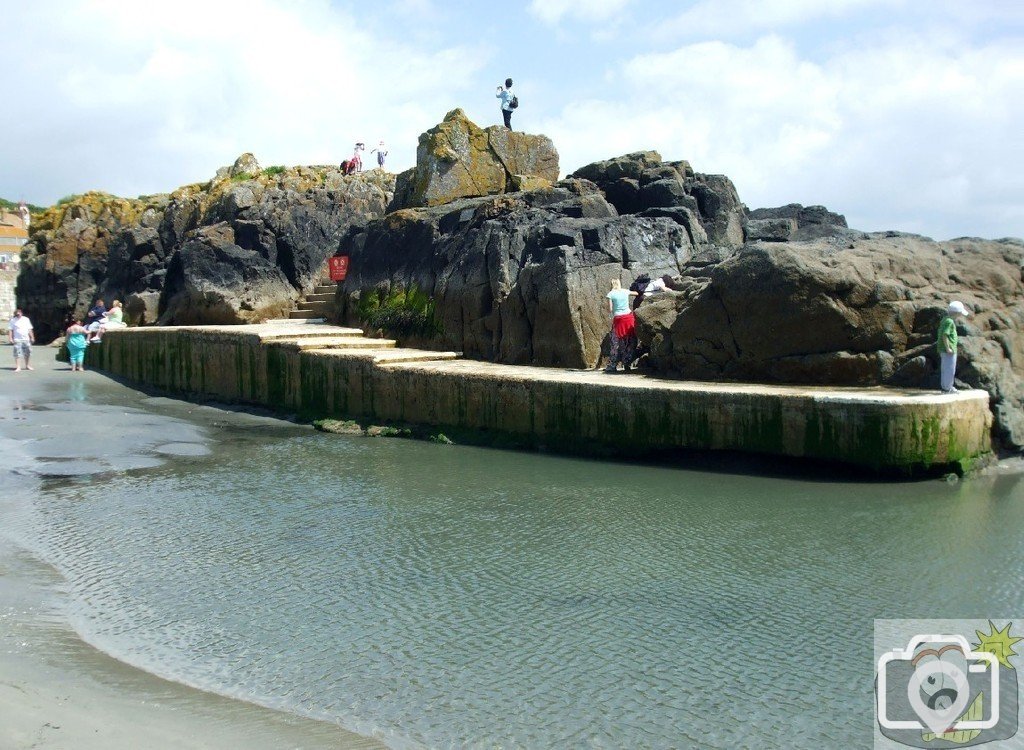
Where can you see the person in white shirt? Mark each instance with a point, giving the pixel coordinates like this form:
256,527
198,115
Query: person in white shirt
20,332
506,96
381,153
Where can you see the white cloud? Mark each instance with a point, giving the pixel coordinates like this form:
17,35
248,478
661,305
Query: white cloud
727,18
901,125
915,133
591,11
140,99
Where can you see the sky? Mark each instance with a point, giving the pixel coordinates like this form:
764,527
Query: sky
898,114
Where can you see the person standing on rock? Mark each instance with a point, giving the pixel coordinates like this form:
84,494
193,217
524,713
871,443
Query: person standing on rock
947,343
20,332
509,101
381,153
623,334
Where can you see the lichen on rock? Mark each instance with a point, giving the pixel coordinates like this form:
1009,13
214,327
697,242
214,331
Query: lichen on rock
282,224
459,159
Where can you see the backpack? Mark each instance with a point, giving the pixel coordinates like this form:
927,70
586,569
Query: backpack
514,104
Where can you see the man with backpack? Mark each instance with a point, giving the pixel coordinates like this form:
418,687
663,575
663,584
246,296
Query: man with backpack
509,102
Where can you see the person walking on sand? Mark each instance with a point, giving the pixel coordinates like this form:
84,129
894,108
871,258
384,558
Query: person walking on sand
509,101
947,343
623,334
76,343
381,153
20,332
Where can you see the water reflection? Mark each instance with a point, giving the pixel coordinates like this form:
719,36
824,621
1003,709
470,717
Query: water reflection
461,596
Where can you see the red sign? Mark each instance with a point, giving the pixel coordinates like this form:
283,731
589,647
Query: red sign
338,266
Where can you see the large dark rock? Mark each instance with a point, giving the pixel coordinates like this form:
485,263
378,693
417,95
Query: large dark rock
64,266
641,183
519,278
212,279
848,313
99,245
804,223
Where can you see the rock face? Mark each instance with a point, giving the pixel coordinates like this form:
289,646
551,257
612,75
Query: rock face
237,249
641,183
519,278
458,159
848,313
795,222
522,278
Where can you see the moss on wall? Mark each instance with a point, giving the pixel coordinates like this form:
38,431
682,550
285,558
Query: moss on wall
522,407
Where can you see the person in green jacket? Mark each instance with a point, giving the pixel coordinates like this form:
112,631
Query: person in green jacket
947,345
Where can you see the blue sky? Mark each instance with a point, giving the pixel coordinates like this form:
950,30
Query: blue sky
900,114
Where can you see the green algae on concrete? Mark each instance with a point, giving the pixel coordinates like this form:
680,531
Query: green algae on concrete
881,430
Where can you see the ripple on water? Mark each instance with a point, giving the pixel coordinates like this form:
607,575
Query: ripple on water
451,596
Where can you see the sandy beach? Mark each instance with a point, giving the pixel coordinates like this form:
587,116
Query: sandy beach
57,691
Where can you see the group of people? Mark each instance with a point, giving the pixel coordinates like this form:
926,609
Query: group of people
77,336
355,164
623,349
99,320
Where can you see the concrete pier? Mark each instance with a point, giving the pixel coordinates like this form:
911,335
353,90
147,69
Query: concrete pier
327,371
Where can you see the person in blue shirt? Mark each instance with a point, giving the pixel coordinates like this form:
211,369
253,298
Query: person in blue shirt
506,96
623,333
98,311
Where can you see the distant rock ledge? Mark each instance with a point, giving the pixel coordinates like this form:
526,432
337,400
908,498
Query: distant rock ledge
239,248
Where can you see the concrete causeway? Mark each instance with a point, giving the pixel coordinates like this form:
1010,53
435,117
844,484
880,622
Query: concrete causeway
318,370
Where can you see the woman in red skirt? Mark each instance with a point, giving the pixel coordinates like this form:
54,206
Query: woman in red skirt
623,328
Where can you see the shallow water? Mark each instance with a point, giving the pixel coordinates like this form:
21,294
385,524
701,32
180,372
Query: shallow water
447,596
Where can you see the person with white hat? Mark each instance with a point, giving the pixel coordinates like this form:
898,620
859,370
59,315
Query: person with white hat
947,344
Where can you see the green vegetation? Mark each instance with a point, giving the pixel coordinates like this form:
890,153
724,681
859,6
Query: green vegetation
68,199
13,206
400,313
241,177
275,170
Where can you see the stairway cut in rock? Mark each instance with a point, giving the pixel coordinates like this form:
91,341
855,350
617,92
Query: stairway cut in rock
317,304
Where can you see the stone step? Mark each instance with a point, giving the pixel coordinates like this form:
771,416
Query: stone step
339,342
305,315
315,330
325,289
321,305
402,356
320,297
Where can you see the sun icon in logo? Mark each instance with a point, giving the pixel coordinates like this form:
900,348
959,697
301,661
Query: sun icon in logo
999,643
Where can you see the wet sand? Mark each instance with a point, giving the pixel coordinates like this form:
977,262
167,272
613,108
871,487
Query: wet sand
56,691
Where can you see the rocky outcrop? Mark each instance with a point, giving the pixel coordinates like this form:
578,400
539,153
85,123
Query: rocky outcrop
519,278
848,313
522,278
797,223
236,249
64,264
226,274
641,183
458,159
